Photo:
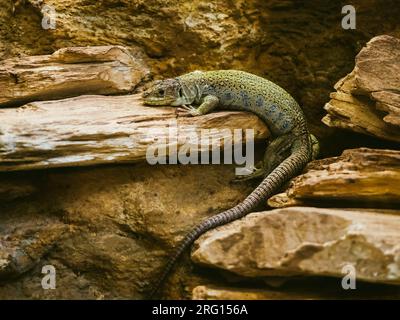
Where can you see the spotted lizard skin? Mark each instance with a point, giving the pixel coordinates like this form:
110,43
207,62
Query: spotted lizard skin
290,150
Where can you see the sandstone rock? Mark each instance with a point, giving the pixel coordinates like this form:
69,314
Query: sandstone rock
300,46
89,130
218,293
306,241
367,177
306,290
368,99
24,242
107,230
15,190
69,72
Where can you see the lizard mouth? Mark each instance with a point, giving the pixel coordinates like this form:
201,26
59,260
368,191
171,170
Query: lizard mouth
158,101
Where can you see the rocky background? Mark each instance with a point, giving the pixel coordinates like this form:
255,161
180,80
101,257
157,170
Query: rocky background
108,220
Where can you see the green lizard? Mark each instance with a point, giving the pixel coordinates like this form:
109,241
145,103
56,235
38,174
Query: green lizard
290,150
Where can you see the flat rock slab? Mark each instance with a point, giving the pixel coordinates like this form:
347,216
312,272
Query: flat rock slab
68,72
368,99
225,293
368,177
306,291
89,130
306,241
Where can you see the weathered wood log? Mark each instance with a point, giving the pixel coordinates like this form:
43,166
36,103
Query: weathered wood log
362,177
368,99
90,130
306,241
68,72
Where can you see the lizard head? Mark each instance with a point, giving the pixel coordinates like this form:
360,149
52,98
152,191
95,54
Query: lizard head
164,93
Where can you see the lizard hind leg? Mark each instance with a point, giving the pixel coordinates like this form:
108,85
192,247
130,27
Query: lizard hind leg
277,151
315,146
258,172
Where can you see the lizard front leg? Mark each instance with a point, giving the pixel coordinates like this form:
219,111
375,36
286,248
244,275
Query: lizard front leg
208,104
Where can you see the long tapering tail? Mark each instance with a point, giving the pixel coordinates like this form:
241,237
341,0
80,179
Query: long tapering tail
286,170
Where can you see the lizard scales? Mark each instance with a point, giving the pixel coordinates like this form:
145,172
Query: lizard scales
290,150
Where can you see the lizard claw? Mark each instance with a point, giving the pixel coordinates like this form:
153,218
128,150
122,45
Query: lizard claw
256,174
187,107
182,112
188,110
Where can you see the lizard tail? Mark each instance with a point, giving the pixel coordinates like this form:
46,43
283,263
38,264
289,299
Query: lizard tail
286,170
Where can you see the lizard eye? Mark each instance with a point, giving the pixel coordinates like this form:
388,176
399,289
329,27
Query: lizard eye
161,92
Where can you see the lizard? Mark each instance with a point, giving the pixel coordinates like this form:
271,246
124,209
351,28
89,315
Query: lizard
292,146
